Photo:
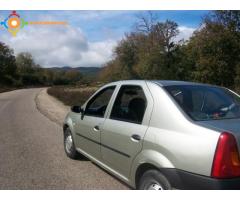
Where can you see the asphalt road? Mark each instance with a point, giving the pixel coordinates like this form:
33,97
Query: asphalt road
32,154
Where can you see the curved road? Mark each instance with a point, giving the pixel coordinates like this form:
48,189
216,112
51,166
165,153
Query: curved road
32,154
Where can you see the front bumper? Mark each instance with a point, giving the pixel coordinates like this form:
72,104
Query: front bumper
180,179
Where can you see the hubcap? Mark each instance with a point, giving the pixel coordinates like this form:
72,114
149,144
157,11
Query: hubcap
155,186
68,143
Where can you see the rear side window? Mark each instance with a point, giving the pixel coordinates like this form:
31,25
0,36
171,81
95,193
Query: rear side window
130,104
206,102
98,104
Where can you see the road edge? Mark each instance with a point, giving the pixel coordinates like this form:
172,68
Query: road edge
50,107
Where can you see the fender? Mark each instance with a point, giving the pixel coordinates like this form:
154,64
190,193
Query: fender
69,122
151,157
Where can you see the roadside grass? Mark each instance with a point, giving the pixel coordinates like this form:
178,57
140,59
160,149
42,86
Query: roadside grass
72,95
6,89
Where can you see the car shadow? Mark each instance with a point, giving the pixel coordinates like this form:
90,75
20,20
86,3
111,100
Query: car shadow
82,158
119,180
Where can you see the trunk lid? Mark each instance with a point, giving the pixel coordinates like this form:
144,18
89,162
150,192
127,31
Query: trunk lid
224,125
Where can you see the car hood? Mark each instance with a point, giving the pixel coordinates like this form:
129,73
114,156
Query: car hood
228,125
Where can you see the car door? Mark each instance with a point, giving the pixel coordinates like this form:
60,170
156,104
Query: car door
125,127
88,127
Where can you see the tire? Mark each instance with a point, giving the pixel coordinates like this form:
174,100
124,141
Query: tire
153,180
69,145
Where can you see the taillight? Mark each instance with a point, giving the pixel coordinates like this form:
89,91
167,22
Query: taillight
226,163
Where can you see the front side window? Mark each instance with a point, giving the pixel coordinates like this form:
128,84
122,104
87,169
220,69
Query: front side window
98,104
206,102
130,104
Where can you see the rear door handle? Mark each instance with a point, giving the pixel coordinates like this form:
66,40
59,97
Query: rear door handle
136,137
96,128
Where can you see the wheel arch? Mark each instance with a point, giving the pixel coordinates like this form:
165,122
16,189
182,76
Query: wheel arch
146,160
68,123
65,126
141,170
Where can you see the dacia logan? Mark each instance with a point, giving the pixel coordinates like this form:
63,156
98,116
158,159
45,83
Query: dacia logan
158,135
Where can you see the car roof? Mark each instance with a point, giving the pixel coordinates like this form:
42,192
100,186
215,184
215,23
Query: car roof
170,82
161,83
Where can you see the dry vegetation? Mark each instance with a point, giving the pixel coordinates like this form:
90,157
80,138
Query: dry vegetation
72,95
6,89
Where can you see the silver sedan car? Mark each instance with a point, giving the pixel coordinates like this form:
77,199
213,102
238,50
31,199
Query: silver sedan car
158,135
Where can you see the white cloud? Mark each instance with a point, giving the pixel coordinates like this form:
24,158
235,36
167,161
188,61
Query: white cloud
99,52
67,45
60,46
184,33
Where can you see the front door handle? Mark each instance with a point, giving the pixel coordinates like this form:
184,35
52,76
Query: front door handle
96,128
136,137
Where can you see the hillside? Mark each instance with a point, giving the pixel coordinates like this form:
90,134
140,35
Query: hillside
87,71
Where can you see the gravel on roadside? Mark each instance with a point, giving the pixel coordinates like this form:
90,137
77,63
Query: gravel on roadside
51,107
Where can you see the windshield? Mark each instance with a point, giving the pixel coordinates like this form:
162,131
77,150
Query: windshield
206,102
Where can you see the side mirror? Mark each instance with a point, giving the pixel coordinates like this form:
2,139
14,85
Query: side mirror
77,109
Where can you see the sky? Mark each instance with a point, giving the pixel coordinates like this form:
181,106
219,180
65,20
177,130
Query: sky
90,36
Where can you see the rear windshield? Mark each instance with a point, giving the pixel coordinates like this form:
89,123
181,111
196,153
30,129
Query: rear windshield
206,102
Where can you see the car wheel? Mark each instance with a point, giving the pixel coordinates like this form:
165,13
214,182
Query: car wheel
69,144
153,180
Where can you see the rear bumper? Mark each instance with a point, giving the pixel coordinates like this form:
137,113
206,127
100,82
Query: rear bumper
185,180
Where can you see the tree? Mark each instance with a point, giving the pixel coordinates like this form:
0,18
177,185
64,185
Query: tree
164,33
157,57
7,65
73,76
145,22
126,56
149,54
110,72
230,19
214,50
25,63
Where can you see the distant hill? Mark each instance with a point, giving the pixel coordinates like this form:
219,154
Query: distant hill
86,71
